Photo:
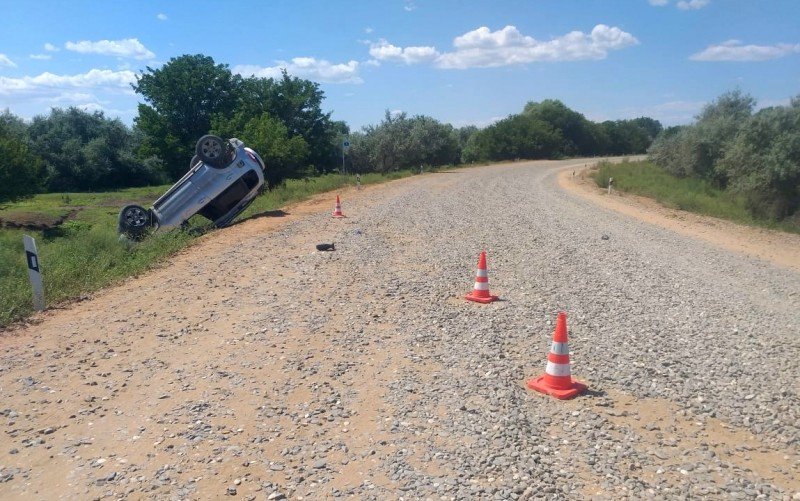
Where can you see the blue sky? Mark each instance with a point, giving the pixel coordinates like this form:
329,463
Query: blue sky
463,62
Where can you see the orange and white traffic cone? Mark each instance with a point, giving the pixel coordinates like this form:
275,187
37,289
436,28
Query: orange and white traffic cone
480,294
557,379
337,211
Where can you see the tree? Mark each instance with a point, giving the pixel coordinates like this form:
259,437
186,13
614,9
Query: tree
575,129
763,161
181,98
87,152
284,155
20,169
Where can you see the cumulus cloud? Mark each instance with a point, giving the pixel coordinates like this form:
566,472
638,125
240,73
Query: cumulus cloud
5,61
162,17
692,4
384,51
734,50
50,47
49,83
318,70
41,56
368,30
129,47
409,6
483,48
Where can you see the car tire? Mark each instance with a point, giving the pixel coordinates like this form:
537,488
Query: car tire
212,150
135,221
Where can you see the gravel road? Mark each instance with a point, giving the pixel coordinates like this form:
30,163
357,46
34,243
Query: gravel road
253,366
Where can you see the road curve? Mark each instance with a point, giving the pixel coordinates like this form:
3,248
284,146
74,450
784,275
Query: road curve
252,365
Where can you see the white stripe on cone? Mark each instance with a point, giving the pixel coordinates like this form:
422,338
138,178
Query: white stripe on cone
481,286
482,273
557,369
560,348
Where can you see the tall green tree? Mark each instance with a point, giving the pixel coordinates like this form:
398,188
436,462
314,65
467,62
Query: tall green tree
21,170
285,156
87,152
763,161
181,98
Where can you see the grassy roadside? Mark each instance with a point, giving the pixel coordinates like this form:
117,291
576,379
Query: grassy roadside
689,194
83,253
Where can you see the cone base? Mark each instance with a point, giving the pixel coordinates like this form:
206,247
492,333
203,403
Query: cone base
484,300
539,385
338,215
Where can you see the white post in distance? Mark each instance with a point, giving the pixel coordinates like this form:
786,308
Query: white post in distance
345,145
34,273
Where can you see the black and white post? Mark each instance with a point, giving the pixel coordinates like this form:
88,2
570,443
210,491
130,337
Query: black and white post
34,273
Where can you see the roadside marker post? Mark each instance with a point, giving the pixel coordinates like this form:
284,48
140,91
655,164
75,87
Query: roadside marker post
34,273
345,145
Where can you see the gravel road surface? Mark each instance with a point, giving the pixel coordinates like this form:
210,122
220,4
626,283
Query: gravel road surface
253,366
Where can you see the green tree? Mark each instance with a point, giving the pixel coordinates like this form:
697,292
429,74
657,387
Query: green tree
763,161
181,98
87,152
21,170
284,155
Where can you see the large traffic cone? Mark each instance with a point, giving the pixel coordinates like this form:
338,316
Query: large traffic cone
337,211
557,380
480,294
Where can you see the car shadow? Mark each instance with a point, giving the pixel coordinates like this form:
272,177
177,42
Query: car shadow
269,213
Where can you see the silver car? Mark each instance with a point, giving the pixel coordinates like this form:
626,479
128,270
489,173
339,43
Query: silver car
223,178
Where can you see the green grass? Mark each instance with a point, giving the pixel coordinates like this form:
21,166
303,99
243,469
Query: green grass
689,194
85,253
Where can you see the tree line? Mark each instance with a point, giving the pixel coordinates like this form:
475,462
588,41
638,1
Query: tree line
755,155
281,118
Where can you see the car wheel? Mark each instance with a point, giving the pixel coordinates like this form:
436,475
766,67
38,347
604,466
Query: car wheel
134,221
211,150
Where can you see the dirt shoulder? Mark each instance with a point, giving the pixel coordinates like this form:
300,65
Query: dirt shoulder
782,249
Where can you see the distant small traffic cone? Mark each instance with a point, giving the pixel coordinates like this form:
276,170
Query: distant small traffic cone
557,380
337,211
480,294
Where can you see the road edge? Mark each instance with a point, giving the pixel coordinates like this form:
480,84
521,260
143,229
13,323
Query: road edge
776,247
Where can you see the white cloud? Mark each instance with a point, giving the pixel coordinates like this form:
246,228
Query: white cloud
674,112
483,48
72,97
477,122
682,4
51,48
129,47
318,70
51,84
693,4
409,6
5,61
384,51
368,30
162,17
734,50
41,56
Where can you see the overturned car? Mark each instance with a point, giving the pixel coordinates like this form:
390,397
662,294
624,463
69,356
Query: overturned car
223,178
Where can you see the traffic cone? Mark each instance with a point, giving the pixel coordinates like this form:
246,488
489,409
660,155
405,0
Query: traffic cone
480,294
557,380
337,211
